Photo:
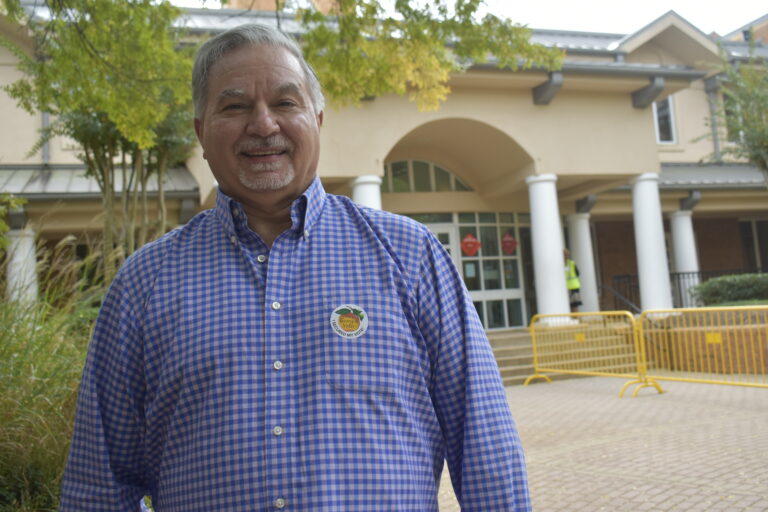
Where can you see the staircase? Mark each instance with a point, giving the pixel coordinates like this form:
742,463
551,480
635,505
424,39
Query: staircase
512,348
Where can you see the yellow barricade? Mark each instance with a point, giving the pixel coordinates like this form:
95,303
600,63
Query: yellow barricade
598,344
709,345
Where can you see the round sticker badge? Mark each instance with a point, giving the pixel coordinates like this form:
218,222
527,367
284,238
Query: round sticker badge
349,321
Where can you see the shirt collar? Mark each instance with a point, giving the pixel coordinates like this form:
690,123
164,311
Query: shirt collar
305,210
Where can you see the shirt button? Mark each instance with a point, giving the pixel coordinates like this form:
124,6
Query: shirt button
277,365
236,212
261,258
279,503
306,234
233,239
278,430
276,305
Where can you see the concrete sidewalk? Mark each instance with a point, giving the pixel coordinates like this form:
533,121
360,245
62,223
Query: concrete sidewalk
696,447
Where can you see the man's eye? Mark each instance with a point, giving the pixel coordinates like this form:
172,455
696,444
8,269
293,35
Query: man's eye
287,103
234,106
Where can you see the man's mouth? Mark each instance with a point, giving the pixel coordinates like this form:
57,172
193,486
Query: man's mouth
255,153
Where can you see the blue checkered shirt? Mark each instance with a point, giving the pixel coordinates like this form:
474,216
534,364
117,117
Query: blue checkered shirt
215,380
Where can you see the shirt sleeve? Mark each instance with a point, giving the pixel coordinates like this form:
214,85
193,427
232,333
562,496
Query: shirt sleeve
484,452
104,468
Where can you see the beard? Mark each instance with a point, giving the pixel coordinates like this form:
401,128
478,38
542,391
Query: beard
266,177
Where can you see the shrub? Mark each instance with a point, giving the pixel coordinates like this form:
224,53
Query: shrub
742,287
42,351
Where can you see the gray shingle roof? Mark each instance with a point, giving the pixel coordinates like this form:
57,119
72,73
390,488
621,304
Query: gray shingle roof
36,182
711,176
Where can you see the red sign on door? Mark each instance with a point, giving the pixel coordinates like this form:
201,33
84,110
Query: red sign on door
508,243
470,245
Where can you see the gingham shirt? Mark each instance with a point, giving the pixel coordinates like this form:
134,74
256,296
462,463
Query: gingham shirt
215,380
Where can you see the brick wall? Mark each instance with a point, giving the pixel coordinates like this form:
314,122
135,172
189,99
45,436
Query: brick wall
719,243
615,253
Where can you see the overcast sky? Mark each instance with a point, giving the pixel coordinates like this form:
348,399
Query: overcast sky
624,16
616,16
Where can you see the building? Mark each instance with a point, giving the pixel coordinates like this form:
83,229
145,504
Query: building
613,156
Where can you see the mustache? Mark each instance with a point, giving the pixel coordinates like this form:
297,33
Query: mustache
259,143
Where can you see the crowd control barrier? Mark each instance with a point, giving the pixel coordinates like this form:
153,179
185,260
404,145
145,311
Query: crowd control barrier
707,345
595,344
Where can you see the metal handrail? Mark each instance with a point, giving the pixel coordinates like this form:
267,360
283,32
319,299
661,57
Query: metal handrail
624,300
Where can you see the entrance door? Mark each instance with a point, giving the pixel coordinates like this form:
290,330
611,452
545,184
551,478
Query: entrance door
448,236
494,281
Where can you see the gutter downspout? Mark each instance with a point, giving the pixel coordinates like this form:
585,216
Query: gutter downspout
45,149
712,86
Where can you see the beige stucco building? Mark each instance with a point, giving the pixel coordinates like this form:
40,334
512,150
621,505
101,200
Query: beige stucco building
614,156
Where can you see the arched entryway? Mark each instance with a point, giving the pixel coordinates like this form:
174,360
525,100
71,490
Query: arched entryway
465,181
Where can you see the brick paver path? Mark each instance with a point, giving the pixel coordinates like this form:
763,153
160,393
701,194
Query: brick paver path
697,447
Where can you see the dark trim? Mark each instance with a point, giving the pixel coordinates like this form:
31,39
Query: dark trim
690,202
543,93
17,218
642,98
586,203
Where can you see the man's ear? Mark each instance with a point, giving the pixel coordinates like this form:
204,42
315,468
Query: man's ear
199,132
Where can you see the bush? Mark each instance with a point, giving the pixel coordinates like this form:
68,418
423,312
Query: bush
42,351
742,287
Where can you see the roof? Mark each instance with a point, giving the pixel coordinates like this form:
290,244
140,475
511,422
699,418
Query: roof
219,20
204,20
38,182
718,176
738,32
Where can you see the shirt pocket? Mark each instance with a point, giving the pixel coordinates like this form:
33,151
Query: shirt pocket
368,346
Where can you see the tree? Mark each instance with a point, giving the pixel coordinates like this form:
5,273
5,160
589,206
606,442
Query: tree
360,50
116,79
745,109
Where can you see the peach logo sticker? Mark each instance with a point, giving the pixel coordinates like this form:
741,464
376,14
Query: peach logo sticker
349,321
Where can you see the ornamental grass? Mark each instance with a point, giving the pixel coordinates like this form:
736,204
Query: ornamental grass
42,352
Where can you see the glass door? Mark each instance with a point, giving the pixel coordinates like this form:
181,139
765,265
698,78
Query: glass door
486,251
447,235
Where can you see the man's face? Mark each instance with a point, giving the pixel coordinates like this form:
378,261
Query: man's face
259,131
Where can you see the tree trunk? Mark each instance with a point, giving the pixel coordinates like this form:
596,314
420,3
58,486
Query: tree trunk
162,163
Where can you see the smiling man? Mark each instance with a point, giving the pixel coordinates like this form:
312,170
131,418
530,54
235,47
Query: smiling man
288,349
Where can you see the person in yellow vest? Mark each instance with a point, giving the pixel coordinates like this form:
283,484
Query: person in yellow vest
572,281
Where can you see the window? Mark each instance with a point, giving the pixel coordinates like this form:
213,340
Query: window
663,115
419,176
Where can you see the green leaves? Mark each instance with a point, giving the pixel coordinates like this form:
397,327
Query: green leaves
119,58
359,51
745,109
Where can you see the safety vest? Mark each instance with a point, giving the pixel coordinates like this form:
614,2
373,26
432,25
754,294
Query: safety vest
571,277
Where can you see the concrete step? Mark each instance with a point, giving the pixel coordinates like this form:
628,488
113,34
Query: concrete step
514,354
509,361
519,380
515,371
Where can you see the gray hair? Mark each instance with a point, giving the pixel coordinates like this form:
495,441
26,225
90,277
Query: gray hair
250,34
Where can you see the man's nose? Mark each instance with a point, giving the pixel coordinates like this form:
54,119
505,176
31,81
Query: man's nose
262,123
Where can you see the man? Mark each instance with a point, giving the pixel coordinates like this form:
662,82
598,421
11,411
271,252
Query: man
572,281
288,349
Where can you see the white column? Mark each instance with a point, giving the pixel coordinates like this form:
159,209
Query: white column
685,255
366,190
547,240
581,250
652,267
21,279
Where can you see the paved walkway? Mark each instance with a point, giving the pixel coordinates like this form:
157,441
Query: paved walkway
696,447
